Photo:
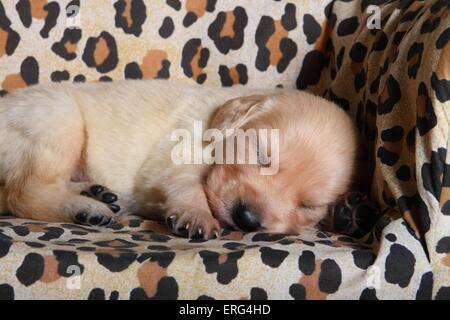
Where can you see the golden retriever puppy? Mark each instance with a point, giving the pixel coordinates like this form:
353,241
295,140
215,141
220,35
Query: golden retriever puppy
89,152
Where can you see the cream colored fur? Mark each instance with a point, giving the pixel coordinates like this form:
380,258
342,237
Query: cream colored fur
119,135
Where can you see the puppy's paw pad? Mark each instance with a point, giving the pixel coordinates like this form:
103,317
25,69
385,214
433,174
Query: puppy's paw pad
101,193
109,197
96,190
355,215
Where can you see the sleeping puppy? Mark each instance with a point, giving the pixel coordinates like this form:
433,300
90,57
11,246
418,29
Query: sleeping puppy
89,152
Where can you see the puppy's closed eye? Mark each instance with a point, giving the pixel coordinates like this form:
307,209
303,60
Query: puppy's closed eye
307,206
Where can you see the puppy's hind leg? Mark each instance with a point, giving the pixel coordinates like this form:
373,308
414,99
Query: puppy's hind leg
56,201
39,165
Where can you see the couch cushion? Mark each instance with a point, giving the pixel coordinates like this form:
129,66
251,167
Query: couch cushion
136,259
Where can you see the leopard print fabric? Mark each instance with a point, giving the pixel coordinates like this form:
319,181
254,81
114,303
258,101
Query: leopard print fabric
394,81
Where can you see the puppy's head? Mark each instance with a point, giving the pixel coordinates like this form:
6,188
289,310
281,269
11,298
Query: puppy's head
315,151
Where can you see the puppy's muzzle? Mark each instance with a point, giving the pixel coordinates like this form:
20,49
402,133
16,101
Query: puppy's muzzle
245,218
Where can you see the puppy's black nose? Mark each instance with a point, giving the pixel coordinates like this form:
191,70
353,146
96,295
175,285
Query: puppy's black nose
245,218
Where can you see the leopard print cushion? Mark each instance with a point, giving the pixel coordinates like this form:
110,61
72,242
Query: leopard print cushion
394,81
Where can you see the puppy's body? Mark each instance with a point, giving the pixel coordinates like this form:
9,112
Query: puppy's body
57,140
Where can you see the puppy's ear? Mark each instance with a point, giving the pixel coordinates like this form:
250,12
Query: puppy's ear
236,112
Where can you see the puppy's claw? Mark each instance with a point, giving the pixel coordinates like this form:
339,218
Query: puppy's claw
197,235
171,221
194,224
183,232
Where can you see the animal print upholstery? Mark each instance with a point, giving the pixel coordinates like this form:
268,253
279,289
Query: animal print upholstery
393,80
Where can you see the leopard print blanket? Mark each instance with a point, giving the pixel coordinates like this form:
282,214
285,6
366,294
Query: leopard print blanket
385,62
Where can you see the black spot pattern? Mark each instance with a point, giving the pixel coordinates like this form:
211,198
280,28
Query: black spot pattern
363,258
297,291
432,172
330,277
116,263
307,262
227,43
311,28
66,261
167,28
20,230
167,290
443,294
273,257
164,259
189,51
441,88
23,8
112,58
443,245
226,271
175,4
426,117
399,265
137,15
59,76
227,80
312,66
368,294
265,30
347,26
13,38
97,294
6,292
269,237
71,37
443,39
381,43
258,294
414,58
29,70
391,237
403,173
79,78
31,269
393,96
418,209
425,291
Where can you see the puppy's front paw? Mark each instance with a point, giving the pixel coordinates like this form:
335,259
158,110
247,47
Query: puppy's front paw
92,218
195,224
88,211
